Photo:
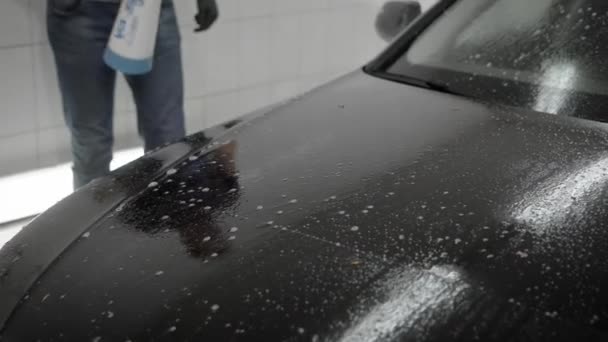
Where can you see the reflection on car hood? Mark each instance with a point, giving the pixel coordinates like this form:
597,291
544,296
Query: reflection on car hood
364,211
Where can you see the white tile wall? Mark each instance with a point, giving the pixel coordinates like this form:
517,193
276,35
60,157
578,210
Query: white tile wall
37,21
195,115
18,153
185,10
123,99
53,146
284,52
340,42
259,52
125,129
17,92
253,98
255,8
220,66
221,107
194,59
313,42
283,90
48,102
253,54
15,23
288,6
230,9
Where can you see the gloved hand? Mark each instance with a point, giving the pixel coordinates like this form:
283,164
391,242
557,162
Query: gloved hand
207,14
395,16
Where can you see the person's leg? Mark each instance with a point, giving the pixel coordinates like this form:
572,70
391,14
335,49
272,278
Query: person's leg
159,94
78,35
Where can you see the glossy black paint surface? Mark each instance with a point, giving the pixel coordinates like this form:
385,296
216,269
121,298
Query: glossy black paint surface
364,211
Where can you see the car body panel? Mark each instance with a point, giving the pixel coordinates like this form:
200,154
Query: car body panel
366,210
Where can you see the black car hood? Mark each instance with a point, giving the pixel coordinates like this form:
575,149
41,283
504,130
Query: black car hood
364,211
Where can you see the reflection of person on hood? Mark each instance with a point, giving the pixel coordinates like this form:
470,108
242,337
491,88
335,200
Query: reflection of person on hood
189,200
204,237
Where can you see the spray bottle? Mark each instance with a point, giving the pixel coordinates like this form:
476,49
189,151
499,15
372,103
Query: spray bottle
130,49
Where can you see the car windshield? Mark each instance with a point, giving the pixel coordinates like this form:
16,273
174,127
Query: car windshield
546,55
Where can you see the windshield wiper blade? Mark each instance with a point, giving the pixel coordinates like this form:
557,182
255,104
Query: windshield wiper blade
428,84
433,85
442,87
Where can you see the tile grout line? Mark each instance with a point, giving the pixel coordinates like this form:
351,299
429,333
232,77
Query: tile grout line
35,84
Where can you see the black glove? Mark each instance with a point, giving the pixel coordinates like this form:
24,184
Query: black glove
395,16
207,14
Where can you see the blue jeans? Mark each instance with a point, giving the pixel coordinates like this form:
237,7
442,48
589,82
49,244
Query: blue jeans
78,33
